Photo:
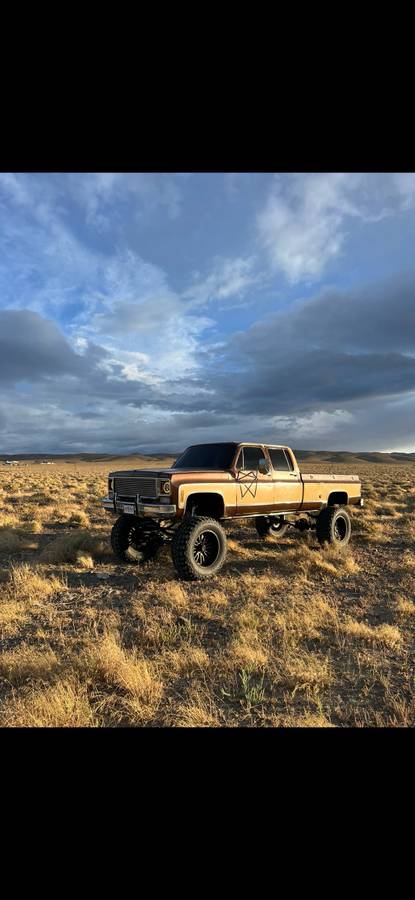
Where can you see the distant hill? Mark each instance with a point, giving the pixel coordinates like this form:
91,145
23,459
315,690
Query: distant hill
73,457
350,457
309,456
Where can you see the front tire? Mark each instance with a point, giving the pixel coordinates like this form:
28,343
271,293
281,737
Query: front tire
198,548
271,525
132,542
334,526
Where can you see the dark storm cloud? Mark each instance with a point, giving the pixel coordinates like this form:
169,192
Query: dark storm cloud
32,347
380,318
341,352
337,348
316,379
34,350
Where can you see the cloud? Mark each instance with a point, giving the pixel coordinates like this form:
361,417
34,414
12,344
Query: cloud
320,422
32,347
98,193
101,349
37,360
43,263
327,369
305,221
137,311
337,347
228,278
116,296
304,376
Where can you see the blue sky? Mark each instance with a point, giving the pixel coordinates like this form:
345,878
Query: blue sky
148,311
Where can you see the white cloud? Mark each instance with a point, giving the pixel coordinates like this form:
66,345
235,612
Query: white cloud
229,278
319,423
117,296
405,183
303,225
14,188
135,311
97,192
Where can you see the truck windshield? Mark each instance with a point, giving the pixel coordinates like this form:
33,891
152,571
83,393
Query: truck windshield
206,456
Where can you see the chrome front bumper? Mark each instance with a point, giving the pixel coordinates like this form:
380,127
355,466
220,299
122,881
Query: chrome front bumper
135,508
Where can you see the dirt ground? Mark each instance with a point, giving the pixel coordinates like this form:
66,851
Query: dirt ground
288,634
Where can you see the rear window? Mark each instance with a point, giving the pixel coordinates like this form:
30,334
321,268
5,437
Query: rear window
281,462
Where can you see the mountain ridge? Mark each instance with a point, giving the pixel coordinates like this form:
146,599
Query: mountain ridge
318,456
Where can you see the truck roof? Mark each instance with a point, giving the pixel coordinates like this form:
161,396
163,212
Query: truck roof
239,444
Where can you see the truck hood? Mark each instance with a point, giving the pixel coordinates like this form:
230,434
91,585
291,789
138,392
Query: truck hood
161,473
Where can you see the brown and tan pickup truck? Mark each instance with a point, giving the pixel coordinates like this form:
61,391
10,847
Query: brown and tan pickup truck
210,483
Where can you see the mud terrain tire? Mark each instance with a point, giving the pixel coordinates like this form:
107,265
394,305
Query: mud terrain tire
198,548
334,526
271,525
131,543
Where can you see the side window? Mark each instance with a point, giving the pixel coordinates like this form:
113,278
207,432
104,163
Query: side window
240,460
252,455
281,462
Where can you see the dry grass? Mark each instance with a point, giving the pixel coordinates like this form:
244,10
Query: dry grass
62,705
26,663
123,670
387,635
288,634
197,711
305,671
28,584
70,547
404,606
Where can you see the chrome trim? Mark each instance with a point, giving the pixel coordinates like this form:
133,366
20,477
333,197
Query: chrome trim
107,503
156,509
159,510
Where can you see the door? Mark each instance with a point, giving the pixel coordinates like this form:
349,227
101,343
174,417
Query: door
287,484
254,489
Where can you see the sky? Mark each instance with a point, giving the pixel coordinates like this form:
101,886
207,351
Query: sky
143,312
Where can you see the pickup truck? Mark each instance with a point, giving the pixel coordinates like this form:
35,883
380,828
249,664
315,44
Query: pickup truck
211,483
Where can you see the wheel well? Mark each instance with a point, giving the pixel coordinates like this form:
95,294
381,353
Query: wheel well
338,498
205,505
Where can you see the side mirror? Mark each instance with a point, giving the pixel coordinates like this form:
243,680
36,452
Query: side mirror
264,466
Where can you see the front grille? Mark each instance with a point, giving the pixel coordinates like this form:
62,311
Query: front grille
144,487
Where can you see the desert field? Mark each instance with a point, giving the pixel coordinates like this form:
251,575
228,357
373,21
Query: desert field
289,634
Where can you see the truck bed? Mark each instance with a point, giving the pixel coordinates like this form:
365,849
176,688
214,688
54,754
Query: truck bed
317,487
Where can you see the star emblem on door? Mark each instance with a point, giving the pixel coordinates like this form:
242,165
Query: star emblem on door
248,484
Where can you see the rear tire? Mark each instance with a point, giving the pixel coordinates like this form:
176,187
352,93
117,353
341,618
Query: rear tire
198,548
334,526
132,542
271,525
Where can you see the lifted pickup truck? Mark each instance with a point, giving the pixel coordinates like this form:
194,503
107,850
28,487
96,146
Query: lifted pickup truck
210,483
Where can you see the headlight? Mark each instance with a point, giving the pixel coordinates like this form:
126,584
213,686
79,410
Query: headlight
165,487
110,487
